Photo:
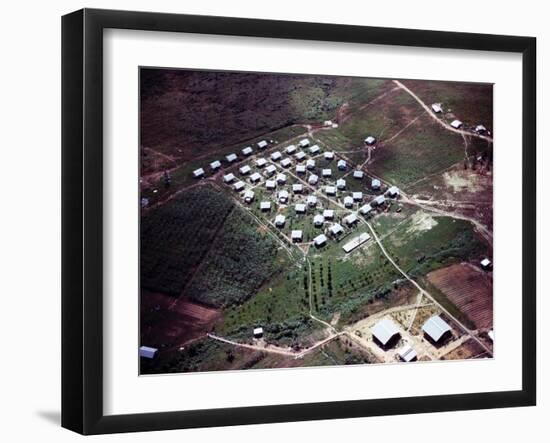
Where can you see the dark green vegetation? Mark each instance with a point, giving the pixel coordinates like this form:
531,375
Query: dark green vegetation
177,236
423,148
240,260
472,103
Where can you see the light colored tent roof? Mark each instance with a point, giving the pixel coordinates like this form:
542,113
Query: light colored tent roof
329,155
348,201
327,123
394,190
290,149
436,107
228,177
238,185
326,172
270,183
255,177
231,157
300,169
330,189
456,124
281,177
310,163
384,330
485,262
379,200
314,149
300,155
342,163
480,128
215,164
265,205
313,178
357,195
407,353
247,150
304,142
244,169
297,187
280,219
358,174
198,172
370,139
375,183
320,239
262,144
312,200
261,162
249,195
435,327
300,207
286,162
258,331
147,351
276,155
283,194
328,213
340,183
296,235
271,169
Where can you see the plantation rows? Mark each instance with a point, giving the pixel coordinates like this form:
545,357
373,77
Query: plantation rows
176,237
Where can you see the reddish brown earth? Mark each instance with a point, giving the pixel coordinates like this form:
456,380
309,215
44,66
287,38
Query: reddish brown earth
470,289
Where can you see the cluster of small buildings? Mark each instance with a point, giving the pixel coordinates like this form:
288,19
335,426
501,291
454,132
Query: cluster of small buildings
457,124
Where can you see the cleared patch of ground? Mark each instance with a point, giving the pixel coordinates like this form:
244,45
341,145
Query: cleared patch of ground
470,289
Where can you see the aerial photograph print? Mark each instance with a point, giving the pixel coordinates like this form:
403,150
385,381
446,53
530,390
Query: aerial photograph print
291,220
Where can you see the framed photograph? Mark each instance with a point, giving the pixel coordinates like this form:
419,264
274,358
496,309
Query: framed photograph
270,221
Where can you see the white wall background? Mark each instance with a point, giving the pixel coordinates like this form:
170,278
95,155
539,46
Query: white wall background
30,216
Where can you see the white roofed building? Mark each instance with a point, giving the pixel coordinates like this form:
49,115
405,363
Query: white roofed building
318,220
296,236
370,140
313,179
358,174
275,156
215,165
456,124
326,172
297,188
365,209
385,333
283,196
261,162
348,201
228,178
258,332
256,177
407,353
148,352
378,201
281,178
354,243
312,200
342,165
265,206
247,151
436,329
393,192
375,183
320,240
328,214
262,144
336,229
304,143
197,173
329,155
330,190
290,149
315,149
270,184
239,186
486,263
270,170
300,208
244,169
286,162
436,107
231,158
280,220
310,163
350,219
341,183
249,196
480,129
357,196
300,156
300,169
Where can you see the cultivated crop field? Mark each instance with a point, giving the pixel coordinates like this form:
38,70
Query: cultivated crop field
348,201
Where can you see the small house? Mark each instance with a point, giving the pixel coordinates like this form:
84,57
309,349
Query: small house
393,192
148,352
486,264
385,333
342,165
296,236
312,200
357,196
247,151
297,188
300,169
480,129
228,178
313,179
356,242
256,177
365,209
315,149
358,174
336,229
341,183
262,144
350,220
197,173
436,107
310,164
304,143
318,220
370,140
328,214
249,196
326,172
244,169
261,162
329,155
457,124
300,156
286,162
265,206
291,149
270,170
276,156
320,240
231,158
436,329
283,196
270,184
348,201
378,201
258,332
215,165
280,220
330,190
375,183
281,178
239,186
407,353
300,208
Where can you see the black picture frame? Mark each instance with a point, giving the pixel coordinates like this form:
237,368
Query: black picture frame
82,218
